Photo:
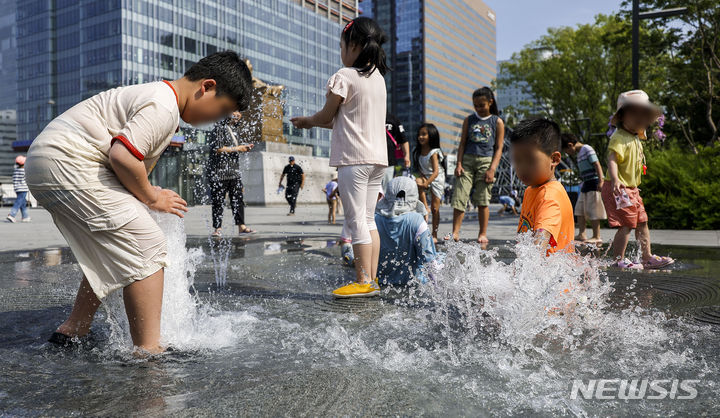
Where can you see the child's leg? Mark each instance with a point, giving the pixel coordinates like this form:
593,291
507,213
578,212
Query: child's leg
483,219
458,216
461,195
24,206
620,242
334,209
83,311
374,188
483,191
642,235
19,202
435,216
596,230
353,182
581,228
143,305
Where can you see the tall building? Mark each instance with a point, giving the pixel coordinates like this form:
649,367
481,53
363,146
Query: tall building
516,100
8,134
70,50
440,52
8,54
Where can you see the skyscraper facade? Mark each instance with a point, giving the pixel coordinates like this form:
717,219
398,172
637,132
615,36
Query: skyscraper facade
69,50
442,50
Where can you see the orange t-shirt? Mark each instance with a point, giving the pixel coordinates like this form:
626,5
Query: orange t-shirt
548,207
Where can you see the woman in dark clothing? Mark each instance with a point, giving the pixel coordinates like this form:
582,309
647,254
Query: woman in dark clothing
223,171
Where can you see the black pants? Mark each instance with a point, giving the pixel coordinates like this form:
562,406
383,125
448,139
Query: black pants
232,187
291,193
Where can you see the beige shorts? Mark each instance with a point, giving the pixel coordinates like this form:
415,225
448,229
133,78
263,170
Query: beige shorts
590,205
111,234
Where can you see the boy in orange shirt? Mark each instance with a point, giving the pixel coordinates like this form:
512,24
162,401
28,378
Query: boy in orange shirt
546,208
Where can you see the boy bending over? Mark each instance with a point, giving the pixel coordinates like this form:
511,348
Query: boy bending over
89,168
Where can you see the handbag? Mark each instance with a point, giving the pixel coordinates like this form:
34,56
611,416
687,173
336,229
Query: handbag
399,154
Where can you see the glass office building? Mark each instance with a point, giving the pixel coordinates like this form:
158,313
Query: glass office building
442,50
69,50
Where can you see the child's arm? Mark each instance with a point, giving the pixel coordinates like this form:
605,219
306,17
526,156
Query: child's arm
239,148
461,149
542,239
132,174
600,174
425,249
435,168
324,118
617,186
499,143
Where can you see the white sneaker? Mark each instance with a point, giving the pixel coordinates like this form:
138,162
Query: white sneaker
10,219
26,220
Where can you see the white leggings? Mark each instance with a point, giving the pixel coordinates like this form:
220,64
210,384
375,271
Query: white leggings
359,186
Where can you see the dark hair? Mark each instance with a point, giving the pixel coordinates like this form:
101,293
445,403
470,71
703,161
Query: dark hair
231,74
568,140
365,33
544,133
487,93
433,142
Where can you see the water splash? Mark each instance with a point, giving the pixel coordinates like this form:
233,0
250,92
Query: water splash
187,323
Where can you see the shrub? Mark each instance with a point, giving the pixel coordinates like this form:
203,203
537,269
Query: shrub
682,189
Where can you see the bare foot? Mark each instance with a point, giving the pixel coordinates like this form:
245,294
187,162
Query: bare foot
594,240
435,240
581,238
454,236
482,239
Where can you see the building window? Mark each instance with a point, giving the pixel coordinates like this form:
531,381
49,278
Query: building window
190,45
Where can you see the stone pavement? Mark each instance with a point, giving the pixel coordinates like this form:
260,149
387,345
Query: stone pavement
310,220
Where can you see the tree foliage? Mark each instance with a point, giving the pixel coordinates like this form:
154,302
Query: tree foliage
576,74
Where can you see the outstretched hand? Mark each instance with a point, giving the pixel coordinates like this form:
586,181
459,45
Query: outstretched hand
301,122
167,201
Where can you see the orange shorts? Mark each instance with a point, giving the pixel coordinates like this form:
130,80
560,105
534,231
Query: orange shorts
630,216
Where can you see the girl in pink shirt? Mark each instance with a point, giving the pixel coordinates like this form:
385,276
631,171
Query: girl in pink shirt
355,110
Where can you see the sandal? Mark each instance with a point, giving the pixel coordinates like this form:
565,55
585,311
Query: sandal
247,231
657,262
628,265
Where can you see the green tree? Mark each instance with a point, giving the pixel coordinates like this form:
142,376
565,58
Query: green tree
692,97
576,74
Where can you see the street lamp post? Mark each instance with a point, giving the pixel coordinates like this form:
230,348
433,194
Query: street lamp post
636,17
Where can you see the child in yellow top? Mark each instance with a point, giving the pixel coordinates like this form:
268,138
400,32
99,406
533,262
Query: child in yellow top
546,208
626,164
89,168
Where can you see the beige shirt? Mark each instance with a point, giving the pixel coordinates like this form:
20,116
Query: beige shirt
358,135
72,151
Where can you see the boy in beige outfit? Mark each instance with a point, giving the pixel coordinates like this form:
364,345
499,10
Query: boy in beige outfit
89,168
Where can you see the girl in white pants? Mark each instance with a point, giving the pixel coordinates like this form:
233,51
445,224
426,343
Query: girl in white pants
355,110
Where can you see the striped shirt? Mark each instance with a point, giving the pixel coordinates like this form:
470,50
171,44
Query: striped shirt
19,180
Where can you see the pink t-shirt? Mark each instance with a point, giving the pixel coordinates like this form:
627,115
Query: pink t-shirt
358,135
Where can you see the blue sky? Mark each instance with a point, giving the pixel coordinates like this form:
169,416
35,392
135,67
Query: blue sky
521,21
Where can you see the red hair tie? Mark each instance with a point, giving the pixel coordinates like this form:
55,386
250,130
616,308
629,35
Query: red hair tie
348,26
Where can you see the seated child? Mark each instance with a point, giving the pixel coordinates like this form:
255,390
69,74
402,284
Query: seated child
406,245
546,209
509,202
89,168
589,205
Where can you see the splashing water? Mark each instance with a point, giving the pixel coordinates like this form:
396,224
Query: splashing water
186,322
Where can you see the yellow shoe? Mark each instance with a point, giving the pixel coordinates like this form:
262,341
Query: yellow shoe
357,290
